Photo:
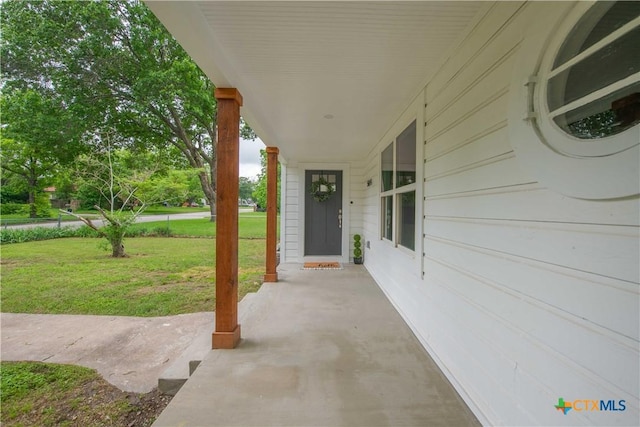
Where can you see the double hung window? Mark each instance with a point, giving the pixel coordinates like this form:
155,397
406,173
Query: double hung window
398,189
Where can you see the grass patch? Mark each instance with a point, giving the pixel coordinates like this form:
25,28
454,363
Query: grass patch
182,227
251,225
46,394
168,210
162,276
20,379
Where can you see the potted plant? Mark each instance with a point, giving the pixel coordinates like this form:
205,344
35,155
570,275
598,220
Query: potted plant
357,249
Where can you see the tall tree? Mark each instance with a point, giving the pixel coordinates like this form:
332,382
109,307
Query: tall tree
39,136
260,189
119,68
245,189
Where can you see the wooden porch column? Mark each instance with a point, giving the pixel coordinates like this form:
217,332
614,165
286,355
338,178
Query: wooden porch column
272,213
227,333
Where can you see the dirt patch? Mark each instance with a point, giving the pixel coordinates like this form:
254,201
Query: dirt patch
199,273
147,407
94,403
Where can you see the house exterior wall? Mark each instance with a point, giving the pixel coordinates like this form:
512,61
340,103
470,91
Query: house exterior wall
292,208
290,214
522,295
356,203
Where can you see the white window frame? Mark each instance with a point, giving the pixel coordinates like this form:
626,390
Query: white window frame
395,192
557,136
600,169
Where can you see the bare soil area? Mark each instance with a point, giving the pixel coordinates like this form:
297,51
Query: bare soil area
93,403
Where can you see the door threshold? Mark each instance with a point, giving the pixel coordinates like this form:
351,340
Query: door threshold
323,258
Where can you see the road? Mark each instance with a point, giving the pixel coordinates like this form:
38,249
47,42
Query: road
143,218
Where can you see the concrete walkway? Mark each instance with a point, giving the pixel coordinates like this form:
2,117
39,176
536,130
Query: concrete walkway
95,219
320,348
129,352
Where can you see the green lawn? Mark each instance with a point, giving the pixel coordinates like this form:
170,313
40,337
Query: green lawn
48,394
25,384
251,225
162,210
161,276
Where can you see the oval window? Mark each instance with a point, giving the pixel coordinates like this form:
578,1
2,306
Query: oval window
574,116
593,86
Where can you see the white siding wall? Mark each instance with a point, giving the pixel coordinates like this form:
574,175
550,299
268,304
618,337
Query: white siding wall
355,186
356,203
527,295
290,213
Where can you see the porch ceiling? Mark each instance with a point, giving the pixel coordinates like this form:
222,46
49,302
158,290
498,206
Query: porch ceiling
297,63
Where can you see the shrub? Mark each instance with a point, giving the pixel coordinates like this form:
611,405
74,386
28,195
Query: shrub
43,206
21,235
357,252
85,231
13,208
163,231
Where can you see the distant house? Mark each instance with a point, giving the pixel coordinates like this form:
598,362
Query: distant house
488,153
55,203
61,203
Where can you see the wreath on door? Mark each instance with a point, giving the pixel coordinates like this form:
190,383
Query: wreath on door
321,189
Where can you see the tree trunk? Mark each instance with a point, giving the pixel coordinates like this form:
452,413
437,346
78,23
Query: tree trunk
209,194
117,248
212,209
32,185
33,210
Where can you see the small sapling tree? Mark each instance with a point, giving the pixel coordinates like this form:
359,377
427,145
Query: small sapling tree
124,192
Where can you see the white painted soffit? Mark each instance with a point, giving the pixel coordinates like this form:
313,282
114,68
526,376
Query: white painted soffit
297,63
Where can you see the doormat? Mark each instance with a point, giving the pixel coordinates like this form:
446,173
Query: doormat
322,266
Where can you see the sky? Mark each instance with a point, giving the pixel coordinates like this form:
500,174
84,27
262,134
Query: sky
250,157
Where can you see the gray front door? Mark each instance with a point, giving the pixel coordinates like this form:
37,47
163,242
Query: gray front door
323,219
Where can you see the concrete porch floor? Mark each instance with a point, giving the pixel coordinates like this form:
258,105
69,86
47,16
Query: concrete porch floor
320,348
